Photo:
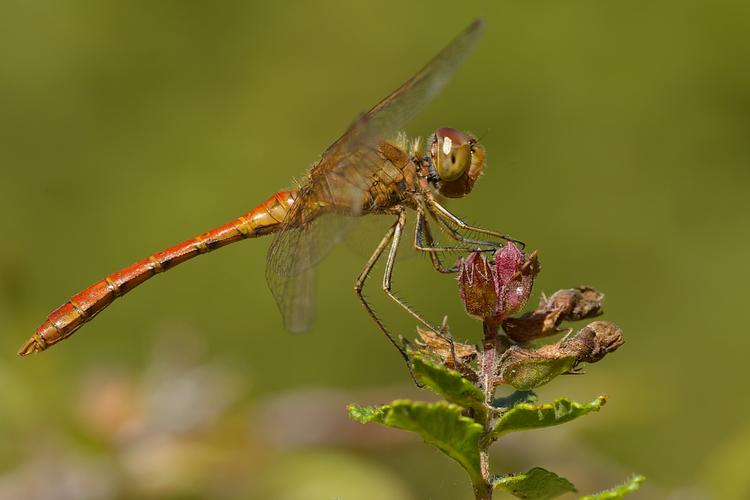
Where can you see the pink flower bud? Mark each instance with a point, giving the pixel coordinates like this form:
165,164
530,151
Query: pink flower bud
498,288
515,277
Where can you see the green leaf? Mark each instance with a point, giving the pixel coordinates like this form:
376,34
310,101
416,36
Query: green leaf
448,383
620,491
439,424
538,483
530,373
367,414
514,399
525,416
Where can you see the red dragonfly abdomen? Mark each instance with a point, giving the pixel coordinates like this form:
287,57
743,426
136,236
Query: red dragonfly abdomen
61,323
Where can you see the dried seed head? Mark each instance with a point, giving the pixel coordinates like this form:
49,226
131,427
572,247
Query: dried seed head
527,369
435,344
587,303
491,290
477,283
570,304
594,341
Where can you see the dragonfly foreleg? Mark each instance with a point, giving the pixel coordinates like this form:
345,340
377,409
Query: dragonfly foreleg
456,235
424,242
444,215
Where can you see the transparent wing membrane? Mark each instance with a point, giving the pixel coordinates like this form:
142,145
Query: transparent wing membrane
390,115
338,184
291,261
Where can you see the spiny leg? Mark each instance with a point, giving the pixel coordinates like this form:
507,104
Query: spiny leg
423,227
393,236
454,234
441,212
422,233
387,287
359,285
424,242
398,229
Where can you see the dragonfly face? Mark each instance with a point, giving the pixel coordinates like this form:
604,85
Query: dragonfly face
458,161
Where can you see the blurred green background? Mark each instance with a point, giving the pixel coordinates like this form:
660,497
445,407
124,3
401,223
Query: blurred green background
618,139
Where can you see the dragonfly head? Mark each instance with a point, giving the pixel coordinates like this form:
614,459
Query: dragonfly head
458,160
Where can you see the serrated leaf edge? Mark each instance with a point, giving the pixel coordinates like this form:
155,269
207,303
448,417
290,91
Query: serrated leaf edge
501,481
470,468
594,405
630,485
473,392
366,414
384,416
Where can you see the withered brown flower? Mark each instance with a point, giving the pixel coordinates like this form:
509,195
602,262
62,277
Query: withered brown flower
494,289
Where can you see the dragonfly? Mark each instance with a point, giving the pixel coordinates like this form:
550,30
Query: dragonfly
372,169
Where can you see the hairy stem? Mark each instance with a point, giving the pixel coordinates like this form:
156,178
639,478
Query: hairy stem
493,345
489,363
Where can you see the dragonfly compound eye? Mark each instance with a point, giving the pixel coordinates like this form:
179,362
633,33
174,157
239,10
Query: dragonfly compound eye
451,153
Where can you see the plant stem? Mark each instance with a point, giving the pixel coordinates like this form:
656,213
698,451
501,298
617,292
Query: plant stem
487,370
491,344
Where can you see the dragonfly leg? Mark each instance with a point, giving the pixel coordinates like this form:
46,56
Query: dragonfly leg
424,242
422,233
442,213
359,285
393,238
457,236
388,288
398,229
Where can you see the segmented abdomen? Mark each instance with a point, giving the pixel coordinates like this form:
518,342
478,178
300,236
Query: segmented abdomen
266,218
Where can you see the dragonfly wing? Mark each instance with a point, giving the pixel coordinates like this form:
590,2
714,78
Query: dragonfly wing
294,253
388,116
338,184
291,276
